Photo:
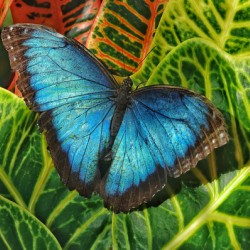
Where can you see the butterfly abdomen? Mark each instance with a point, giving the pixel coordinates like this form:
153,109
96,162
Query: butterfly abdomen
121,102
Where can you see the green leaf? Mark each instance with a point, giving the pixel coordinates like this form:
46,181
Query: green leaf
192,217
21,230
28,178
200,65
225,23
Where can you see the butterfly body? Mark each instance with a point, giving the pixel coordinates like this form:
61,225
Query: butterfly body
106,138
122,101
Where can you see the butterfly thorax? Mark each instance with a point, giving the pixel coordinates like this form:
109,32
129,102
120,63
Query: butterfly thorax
123,94
121,101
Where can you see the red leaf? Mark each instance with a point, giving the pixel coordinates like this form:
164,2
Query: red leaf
73,18
4,6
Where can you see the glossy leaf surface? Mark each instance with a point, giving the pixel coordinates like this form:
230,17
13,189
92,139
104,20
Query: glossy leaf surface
225,23
120,34
200,65
71,18
21,230
123,32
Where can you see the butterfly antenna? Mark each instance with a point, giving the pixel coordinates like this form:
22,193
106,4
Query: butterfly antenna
143,59
143,82
123,59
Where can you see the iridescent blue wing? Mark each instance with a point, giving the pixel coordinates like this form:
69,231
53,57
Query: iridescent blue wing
73,93
165,131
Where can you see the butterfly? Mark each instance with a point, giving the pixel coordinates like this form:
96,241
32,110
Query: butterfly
103,137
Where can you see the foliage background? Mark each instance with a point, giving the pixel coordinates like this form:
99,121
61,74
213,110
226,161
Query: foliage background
203,45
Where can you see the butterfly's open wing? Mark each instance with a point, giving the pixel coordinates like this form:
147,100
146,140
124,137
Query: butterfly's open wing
165,131
73,93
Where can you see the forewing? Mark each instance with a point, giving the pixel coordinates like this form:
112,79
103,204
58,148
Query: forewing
53,70
73,93
165,131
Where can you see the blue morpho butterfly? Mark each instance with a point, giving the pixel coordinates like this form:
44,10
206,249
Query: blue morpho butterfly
103,137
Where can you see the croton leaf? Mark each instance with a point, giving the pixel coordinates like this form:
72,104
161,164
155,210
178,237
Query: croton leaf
200,65
208,207
123,32
4,7
19,229
225,23
28,178
71,18
120,34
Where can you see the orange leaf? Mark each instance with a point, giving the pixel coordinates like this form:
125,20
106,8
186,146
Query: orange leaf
123,32
4,6
71,18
